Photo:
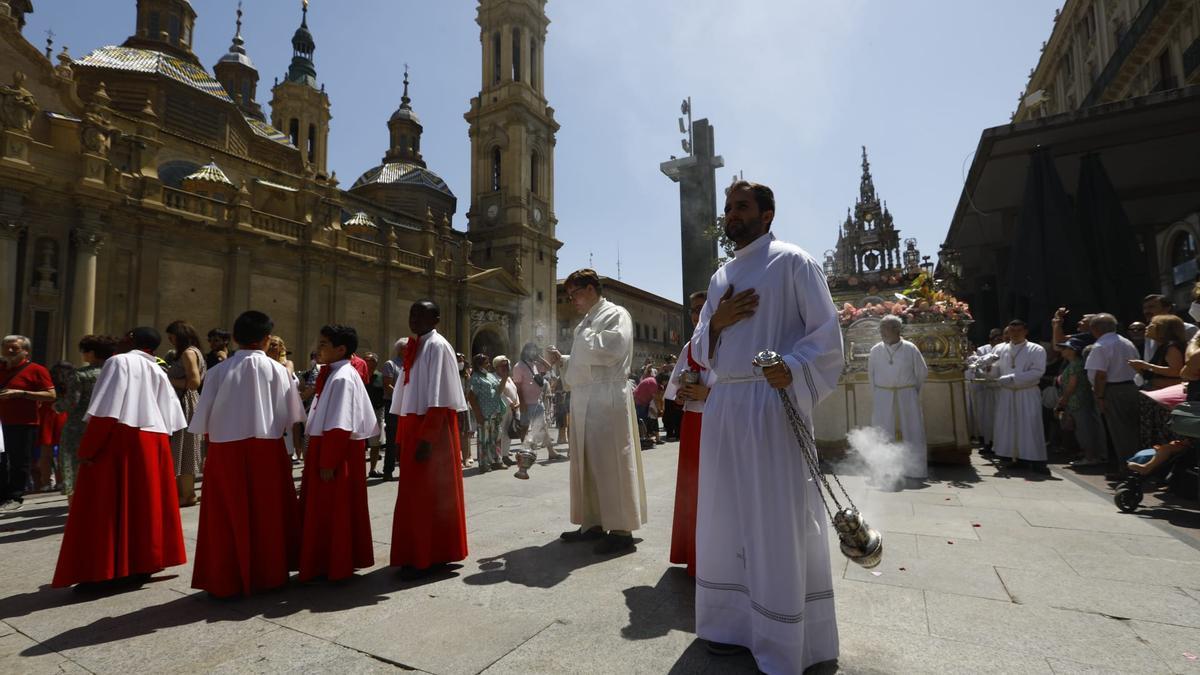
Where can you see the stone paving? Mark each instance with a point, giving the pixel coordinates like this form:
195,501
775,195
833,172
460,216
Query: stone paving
982,573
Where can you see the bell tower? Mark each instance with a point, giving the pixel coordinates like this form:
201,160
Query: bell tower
511,221
298,107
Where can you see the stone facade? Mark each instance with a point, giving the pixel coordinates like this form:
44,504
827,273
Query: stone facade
136,188
1102,51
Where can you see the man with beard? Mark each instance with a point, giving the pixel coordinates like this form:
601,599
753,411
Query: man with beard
763,577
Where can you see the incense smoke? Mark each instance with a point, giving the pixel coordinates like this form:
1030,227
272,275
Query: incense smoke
874,454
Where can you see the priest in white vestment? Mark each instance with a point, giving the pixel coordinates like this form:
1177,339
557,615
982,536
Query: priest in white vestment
897,371
763,578
1017,434
608,490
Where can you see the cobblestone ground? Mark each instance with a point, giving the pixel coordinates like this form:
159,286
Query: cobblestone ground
982,573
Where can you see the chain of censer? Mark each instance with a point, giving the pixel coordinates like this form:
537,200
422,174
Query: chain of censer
807,446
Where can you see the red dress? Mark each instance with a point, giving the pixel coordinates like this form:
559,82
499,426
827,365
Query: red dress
249,534
687,489
336,537
124,519
430,523
50,424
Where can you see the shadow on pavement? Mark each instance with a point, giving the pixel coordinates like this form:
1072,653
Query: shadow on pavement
542,566
696,659
655,611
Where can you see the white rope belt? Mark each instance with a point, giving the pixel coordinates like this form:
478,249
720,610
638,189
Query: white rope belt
740,379
907,386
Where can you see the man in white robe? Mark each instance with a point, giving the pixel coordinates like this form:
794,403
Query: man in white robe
608,490
897,372
1017,430
763,578
982,400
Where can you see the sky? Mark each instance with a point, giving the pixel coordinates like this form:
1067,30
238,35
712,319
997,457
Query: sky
793,88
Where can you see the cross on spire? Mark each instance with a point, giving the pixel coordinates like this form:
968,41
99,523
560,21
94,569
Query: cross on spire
405,101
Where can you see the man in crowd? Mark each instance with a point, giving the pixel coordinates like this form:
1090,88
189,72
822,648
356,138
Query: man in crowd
529,375
336,537
218,347
689,386
23,385
374,384
1113,388
429,527
643,395
1018,432
124,520
249,533
763,576
897,371
392,371
608,490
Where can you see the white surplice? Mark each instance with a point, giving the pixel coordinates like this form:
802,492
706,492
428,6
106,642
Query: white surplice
763,577
434,381
982,397
248,395
135,391
608,488
1017,433
897,373
343,404
707,378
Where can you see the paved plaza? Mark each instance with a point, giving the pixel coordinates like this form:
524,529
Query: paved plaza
982,574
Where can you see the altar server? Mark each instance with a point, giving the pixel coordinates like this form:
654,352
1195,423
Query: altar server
763,577
691,395
249,534
336,536
897,371
124,520
982,391
429,527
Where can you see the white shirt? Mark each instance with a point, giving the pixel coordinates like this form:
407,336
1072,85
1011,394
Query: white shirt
248,395
1111,355
343,404
510,395
433,382
135,391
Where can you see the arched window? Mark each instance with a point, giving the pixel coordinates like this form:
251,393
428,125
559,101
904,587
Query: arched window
516,60
153,28
403,142
535,172
312,142
496,57
294,131
496,169
1183,248
173,29
533,63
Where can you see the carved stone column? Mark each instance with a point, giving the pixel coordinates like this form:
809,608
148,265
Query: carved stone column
83,298
10,233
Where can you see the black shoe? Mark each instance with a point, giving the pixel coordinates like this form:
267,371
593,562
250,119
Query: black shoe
614,543
579,535
388,477
722,649
497,466
374,474
508,461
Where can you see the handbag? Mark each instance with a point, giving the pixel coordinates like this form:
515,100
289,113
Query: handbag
516,428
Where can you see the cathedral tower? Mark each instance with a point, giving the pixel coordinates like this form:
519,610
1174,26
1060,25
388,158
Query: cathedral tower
236,72
165,26
298,107
511,221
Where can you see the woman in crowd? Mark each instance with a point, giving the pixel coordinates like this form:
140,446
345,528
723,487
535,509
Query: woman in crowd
186,374
277,350
1077,402
512,403
95,350
1162,370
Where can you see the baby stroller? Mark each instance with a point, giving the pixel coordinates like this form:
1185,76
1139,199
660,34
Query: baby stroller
1177,466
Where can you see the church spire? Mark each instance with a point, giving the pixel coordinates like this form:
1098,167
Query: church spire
237,74
404,127
302,69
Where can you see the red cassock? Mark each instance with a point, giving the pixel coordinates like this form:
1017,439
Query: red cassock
50,424
249,535
430,523
687,489
124,519
337,526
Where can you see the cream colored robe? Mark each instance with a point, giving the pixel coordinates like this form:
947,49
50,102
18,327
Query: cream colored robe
607,485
